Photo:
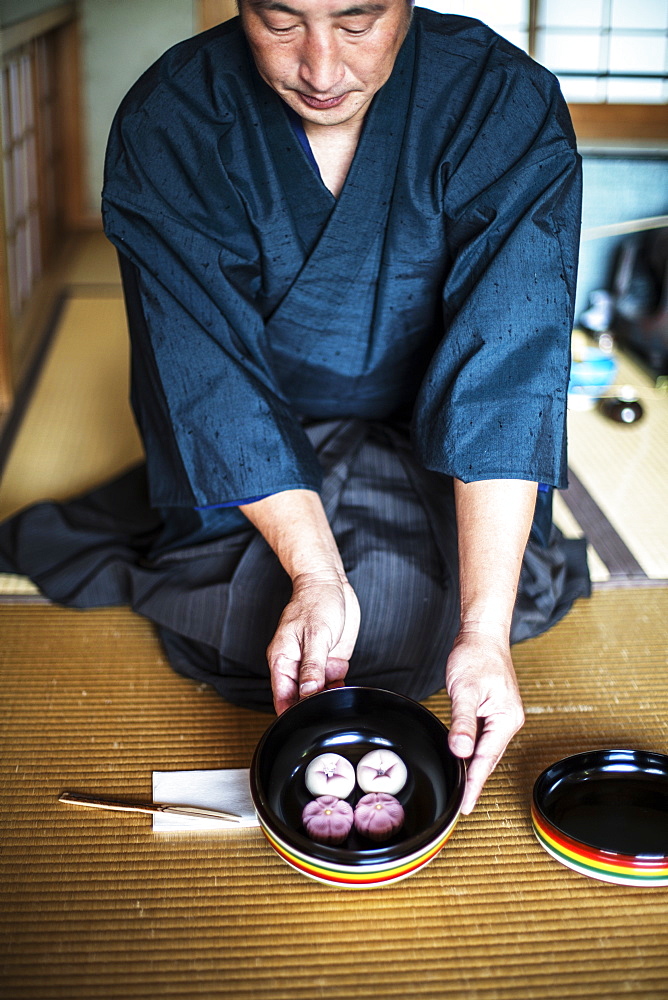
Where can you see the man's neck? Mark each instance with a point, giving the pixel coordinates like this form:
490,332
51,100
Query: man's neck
333,147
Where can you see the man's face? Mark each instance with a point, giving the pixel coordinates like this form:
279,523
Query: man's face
325,58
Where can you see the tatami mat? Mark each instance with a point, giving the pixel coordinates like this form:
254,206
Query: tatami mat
94,262
94,905
78,429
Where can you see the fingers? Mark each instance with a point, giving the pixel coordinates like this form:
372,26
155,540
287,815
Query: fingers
313,642
336,669
315,651
486,710
286,680
285,690
297,658
464,721
488,752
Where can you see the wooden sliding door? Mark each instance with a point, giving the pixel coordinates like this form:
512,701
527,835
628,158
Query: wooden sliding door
40,155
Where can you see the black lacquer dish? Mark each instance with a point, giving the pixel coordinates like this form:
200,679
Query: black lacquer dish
351,721
604,813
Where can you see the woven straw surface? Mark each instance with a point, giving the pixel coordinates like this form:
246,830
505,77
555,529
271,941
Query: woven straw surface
78,429
93,905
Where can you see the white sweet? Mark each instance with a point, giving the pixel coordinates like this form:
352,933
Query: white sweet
381,771
330,774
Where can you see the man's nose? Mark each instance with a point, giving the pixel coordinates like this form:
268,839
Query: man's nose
321,64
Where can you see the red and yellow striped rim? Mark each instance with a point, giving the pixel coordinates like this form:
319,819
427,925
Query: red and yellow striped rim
361,878
598,864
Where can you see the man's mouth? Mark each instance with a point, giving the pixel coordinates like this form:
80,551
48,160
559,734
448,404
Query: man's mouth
320,105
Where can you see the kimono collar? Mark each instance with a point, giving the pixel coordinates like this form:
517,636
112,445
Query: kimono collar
298,127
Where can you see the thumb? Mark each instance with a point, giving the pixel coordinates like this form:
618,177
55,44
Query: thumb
464,723
315,651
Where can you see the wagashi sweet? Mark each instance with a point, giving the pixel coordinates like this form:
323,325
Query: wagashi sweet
382,771
378,815
330,774
328,819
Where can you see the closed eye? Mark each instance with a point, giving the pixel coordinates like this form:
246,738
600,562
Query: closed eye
353,24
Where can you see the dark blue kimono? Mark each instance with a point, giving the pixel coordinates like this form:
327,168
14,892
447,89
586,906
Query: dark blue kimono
444,272
278,332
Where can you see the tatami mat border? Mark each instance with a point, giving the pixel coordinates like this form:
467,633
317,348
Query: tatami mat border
11,425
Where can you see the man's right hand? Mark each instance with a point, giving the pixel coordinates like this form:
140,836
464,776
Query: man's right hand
314,640
318,629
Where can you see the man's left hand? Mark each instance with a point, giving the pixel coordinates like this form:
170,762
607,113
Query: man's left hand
486,706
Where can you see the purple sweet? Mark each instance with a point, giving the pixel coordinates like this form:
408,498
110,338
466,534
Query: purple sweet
327,819
378,815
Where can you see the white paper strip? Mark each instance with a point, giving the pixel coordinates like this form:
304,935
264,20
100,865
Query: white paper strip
225,789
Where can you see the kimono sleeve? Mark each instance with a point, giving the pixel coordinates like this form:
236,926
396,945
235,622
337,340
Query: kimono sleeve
493,402
216,426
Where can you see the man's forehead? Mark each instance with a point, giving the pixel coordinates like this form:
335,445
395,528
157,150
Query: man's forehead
338,9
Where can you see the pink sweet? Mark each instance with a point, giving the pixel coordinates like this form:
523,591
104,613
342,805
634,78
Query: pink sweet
330,774
381,770
378,815
327,819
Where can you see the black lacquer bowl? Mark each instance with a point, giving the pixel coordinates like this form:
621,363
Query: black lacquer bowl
604,813
351,721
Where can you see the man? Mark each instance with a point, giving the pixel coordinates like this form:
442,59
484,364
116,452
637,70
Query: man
335,219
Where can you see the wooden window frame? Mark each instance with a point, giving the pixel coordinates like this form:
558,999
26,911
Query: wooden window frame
64,17
624,122
213,12
19,334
